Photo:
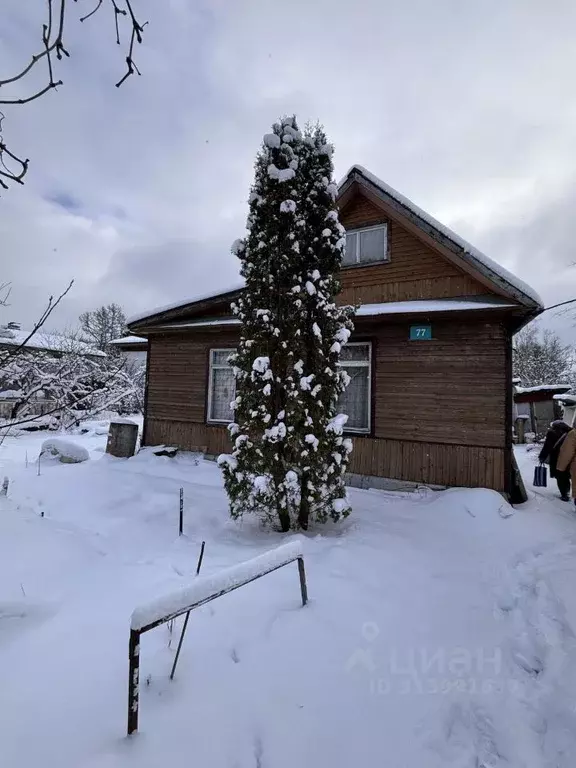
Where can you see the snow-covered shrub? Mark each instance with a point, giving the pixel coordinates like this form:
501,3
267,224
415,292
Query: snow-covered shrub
66,451
289,455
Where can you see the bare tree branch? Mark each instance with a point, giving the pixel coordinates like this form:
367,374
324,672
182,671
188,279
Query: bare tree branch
16,175
92,12
117,12
5,291
54,45
136,36
35,96
50,307
46,35
52,42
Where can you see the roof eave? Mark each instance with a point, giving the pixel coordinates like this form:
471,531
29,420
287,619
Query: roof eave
144,325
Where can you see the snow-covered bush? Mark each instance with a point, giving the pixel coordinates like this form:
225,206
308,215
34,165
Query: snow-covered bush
289,454
66,451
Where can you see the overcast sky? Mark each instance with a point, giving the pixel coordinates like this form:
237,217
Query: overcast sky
467,108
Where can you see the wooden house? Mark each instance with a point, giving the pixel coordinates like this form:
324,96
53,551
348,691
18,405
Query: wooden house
430,398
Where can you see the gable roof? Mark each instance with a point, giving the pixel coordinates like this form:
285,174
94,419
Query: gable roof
490,269
500,278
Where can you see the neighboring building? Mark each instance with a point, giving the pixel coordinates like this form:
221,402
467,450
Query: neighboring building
12,336
540,405
430,398
133,347
567,404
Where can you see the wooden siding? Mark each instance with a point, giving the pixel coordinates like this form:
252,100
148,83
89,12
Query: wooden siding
178,374
415,271
448,390
429,463
438,406
212,439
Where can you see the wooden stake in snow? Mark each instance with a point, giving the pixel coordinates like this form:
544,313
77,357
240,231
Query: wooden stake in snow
39,457
4,491
181,523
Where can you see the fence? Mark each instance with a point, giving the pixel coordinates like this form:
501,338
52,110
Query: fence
202,591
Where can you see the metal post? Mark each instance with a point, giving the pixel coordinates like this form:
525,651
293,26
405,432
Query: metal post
133,678
134,650
200,558
179,646
303,587
181,525
185,626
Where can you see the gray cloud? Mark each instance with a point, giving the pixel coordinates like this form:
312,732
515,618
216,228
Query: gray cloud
137,192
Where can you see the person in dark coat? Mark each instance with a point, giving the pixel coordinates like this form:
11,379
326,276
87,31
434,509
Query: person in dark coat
550,451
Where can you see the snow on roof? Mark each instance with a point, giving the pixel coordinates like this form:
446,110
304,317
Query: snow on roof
565,398
51,342
426,306
543,388
473,254
182,303
129,340
365,310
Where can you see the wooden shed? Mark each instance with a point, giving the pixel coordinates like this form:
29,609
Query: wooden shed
430,399
540,405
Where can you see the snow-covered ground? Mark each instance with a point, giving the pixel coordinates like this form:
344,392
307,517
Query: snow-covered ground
439,632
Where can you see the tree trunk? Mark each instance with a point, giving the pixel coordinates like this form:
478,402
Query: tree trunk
304,511
284,518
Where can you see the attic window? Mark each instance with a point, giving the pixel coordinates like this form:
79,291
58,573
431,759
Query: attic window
366,245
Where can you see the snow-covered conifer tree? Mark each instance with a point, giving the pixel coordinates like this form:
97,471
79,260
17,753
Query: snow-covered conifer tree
324,328
289,454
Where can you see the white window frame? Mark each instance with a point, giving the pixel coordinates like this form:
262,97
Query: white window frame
361,364
357,261
211,367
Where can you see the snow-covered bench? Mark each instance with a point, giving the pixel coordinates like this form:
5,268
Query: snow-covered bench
201,591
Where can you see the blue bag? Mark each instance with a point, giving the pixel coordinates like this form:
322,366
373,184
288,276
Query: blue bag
540,476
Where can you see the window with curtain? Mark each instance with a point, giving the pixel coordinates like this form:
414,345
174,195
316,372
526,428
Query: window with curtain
364,246
221,386
355,358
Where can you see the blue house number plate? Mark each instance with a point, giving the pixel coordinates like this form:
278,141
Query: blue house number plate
420,332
